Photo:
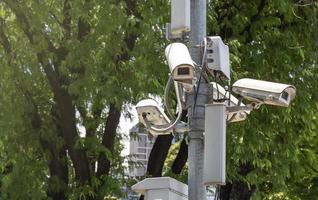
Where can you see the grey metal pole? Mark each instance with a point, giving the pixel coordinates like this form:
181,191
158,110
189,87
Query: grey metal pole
196,119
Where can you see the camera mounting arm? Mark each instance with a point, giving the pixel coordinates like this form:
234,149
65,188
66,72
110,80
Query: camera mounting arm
236,109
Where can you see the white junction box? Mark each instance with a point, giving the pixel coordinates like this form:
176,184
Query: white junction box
161,188
218,57
180,16
215,144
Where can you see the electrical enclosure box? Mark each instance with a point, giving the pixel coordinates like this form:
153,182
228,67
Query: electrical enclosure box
215,144
161,188
218,58
180,16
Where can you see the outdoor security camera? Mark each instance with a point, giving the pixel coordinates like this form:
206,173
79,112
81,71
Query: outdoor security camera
233,115
180,64
150,110
266,92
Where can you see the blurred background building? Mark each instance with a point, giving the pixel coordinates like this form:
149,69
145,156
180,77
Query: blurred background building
140,147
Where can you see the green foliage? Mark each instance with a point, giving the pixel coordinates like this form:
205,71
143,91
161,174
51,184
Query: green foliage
120,59
101,54
273,40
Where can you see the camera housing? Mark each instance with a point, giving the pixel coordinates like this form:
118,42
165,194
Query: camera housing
180,64
265,92
150,109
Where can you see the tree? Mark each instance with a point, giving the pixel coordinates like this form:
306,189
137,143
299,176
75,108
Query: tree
274,148
69,66
272,154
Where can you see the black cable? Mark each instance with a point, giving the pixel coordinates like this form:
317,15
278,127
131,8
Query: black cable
225,94
229,89
203,67
217,193
197,90
166,94
217,90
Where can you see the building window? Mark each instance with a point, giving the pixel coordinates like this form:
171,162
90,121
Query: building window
141,150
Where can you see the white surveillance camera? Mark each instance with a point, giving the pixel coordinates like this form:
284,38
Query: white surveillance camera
180,64
151,110
266,92
219,93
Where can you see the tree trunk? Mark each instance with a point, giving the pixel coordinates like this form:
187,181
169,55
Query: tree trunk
58,174
225,191
238,190
158,155
108,140
182,155
57,163
181,158
68,124
58,181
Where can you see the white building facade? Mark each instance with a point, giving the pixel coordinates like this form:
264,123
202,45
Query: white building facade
140,147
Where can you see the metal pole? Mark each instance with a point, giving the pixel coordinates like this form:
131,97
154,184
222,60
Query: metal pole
196,119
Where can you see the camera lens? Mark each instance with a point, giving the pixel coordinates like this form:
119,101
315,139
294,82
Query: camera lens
183,71
285,95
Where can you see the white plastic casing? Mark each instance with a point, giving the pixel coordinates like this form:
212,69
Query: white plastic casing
220,93
161,188
218,57
180,63
180,16
265,92
155,115
215,145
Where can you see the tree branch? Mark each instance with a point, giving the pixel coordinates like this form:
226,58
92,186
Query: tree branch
114,114
253,19
58,167
89,122
181,158
68,120
3,38
62,97
67,19
57,162
26,27
238,189
22,19
108,139
84,27
56,18
158,155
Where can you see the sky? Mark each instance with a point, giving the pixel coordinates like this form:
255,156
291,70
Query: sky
125,125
